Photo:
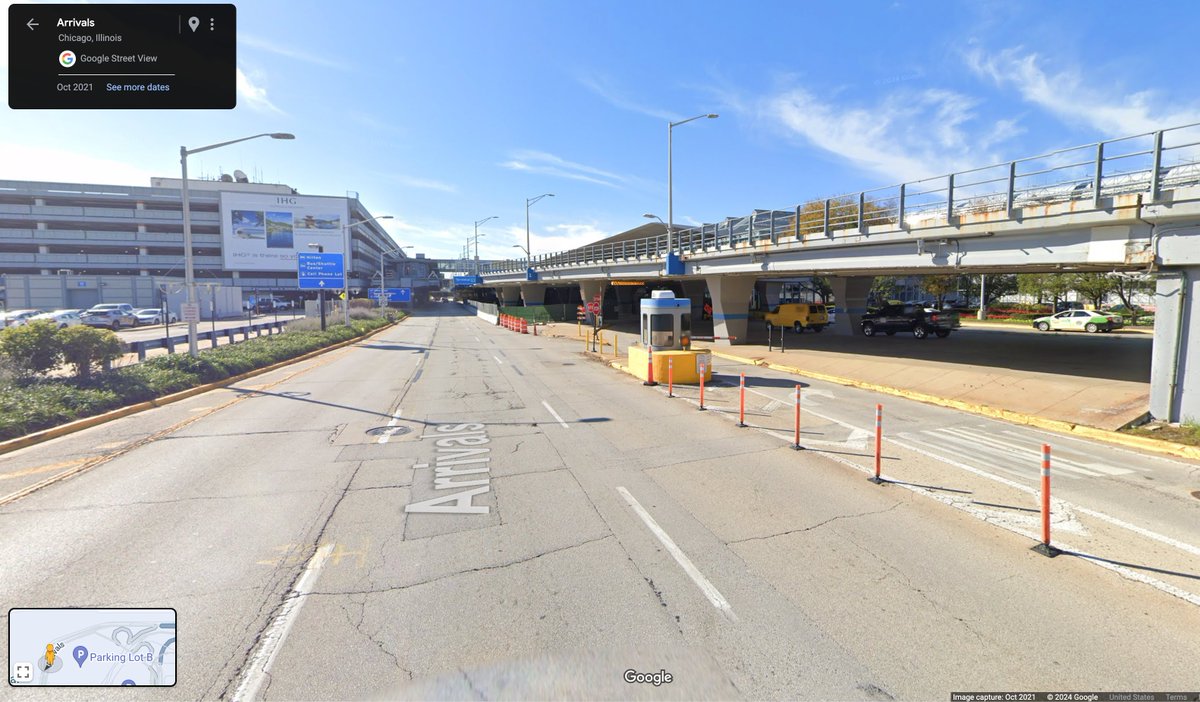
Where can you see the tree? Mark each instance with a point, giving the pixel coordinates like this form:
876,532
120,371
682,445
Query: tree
883,287
998,285
87,347
34,347
1127,286
939,286
1043,285
843,214
1093,286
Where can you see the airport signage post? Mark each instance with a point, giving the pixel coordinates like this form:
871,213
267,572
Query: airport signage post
393,294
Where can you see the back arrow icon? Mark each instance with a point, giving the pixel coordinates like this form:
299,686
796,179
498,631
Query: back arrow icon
31,24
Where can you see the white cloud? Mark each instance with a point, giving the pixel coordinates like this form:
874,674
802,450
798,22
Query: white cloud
290,52
567,236
424,183
254,95
25,162
892,137
549,164
1066,94
603,86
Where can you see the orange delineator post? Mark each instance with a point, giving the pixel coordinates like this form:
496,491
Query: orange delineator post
1045,548
878,442
649,366
796,444
670,377
742,402
703,370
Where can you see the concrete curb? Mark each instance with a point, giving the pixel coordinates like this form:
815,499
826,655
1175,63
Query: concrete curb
88,422
1166,447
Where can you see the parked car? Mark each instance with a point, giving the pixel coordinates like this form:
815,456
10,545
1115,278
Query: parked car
62,318
799,316
1080,320
16,318
153,315
111,315
918,319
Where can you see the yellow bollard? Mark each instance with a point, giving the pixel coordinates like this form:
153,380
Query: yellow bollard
579,329
615,338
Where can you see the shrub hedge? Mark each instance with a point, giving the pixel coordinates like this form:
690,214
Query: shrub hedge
29,405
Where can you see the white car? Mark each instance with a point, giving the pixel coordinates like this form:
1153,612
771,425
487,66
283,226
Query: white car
1079,320
62,318
153,315
16,318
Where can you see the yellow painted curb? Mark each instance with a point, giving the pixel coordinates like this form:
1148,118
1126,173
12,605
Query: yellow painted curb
1167,447
38,437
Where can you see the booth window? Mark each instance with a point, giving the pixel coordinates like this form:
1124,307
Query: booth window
645,330
662,330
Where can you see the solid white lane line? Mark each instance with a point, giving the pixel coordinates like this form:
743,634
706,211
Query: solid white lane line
710,591
497,359
551,411
272,640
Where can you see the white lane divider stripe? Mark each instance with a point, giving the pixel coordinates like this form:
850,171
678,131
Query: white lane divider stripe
272,640
556,417
497,359
710,591
387,434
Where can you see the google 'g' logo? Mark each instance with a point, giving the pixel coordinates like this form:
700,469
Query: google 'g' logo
66,59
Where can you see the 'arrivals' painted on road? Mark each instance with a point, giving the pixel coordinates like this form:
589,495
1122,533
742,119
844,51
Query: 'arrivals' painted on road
461,450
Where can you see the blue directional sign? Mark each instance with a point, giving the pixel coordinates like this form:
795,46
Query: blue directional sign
468,280
316,271
393,294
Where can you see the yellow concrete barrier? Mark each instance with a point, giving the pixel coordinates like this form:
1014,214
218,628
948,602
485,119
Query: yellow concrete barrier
686,367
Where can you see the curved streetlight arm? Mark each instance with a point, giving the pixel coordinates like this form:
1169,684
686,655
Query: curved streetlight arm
691,119
274,135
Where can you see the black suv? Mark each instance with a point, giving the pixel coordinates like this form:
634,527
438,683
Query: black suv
918,319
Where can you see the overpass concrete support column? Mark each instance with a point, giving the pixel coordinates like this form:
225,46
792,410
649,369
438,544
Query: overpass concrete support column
731,306
588,290
694,290
1175,363
533,293
771,292
850,295
508,295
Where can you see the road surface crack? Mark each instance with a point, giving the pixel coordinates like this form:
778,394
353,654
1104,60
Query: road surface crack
814,526
480,569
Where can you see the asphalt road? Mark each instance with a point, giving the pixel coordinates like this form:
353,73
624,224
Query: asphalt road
292,522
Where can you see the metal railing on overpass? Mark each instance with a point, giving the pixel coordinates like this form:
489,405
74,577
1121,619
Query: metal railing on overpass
1143,163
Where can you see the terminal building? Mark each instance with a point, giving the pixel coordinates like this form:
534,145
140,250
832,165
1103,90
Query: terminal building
73,245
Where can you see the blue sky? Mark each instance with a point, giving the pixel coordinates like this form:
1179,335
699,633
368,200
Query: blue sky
442,113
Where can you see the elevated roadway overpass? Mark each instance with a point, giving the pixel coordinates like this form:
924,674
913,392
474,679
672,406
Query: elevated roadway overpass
1126,205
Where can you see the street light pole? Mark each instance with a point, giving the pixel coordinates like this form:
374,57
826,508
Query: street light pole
477,241
382,255
189,272
670,178
346,264
528,246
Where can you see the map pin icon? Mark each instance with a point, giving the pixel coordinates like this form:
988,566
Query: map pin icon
193,22
80,654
